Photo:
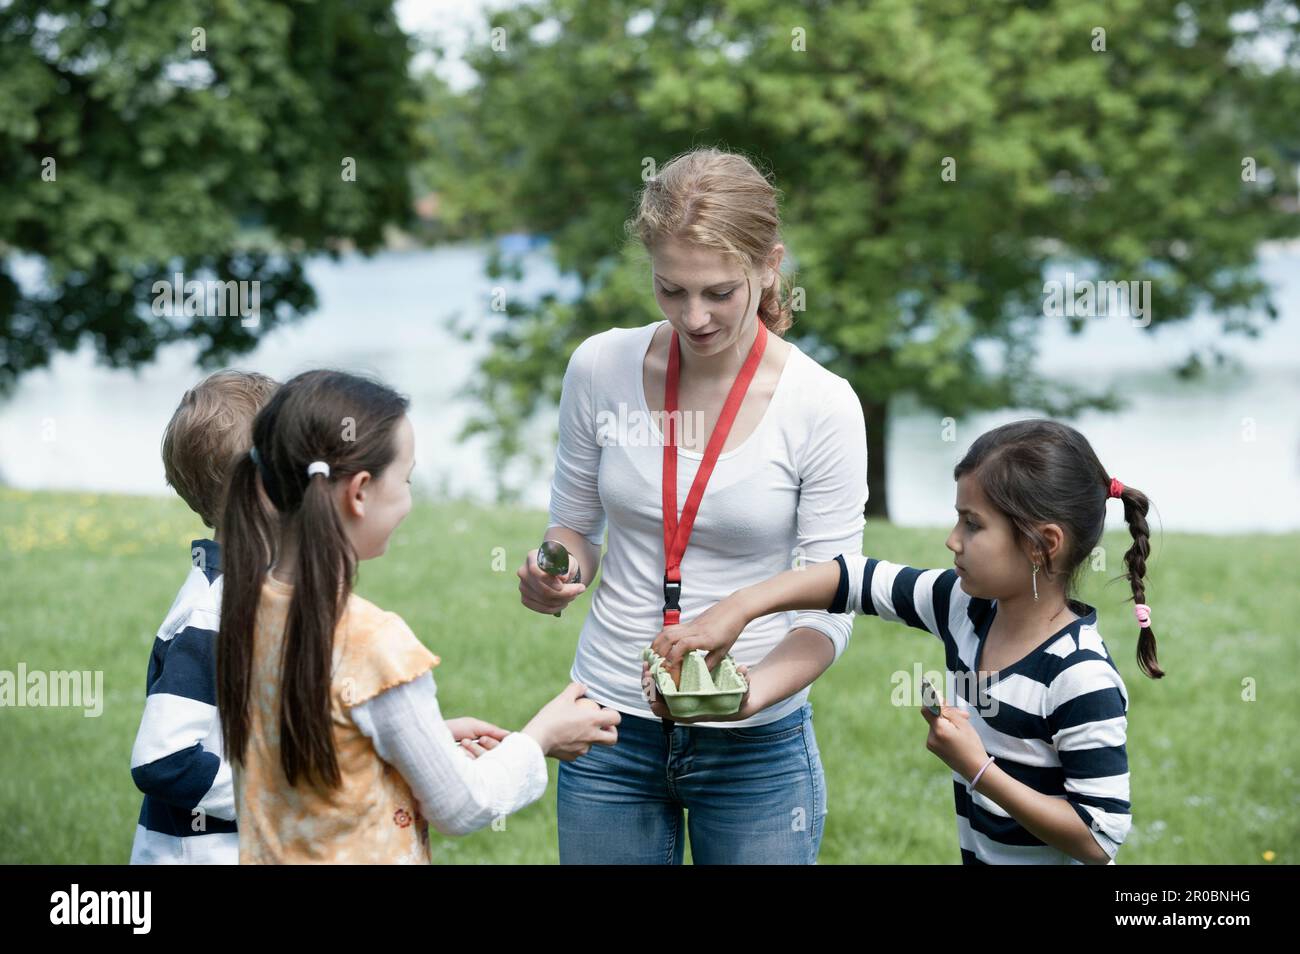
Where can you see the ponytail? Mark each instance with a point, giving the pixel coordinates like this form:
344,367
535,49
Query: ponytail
245,553
1135,561
774,307
319,595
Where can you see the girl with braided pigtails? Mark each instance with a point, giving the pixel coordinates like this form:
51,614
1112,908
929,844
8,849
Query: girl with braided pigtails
1036,719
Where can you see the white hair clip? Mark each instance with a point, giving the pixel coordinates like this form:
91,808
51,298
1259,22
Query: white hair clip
317,467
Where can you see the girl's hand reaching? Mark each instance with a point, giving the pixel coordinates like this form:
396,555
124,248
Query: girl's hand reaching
475,736
715,630
955,740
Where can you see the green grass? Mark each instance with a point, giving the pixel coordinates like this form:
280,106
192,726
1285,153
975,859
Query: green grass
86,580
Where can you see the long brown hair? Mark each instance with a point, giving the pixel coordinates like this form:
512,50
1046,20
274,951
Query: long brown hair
718,200
1041,471
349,422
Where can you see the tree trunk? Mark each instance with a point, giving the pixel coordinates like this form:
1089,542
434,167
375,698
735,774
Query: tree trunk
876,414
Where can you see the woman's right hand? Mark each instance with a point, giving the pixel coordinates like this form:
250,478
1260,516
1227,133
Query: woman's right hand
543,593
569,725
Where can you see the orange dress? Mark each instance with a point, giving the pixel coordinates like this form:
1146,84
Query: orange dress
373,817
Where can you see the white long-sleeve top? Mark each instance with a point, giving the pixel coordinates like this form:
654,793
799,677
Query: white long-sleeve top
457,794
792,493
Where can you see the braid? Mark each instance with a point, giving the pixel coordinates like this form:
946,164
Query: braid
1135,561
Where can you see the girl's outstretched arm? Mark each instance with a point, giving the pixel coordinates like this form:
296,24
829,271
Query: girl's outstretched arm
924,599
718,628
457,794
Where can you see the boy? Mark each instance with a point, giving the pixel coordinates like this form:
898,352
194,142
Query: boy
188,815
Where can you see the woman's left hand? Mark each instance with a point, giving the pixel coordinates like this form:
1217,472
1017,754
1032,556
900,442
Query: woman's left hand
749,705
955,740
475,736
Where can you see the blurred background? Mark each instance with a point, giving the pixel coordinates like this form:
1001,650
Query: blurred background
435,192
939,162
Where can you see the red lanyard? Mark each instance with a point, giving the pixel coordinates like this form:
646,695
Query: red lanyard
677,534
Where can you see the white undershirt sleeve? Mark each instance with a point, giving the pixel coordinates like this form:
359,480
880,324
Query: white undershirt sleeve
575,494
458,794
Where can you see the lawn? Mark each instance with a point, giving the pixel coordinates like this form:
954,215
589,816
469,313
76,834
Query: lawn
86,579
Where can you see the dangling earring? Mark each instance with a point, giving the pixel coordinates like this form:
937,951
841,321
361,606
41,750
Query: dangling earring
1035,582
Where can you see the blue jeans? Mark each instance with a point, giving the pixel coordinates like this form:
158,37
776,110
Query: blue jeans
753,795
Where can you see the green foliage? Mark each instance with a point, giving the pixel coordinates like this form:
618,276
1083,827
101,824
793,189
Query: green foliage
1127,160
205,138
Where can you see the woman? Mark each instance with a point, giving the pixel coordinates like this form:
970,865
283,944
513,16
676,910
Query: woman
789,485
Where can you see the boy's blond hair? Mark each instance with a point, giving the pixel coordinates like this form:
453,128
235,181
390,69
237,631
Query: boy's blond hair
211,427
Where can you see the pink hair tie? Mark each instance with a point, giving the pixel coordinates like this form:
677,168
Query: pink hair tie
1143,614
1116,488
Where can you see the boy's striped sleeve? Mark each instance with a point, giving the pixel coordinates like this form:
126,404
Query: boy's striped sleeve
1089,726
177,753
901,594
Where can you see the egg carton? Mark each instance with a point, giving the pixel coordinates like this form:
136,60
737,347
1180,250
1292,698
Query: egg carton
701,692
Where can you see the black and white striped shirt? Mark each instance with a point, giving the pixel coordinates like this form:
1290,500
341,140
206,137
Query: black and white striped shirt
188,814
1055,720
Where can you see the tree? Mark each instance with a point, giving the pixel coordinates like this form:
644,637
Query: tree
141,140
935,158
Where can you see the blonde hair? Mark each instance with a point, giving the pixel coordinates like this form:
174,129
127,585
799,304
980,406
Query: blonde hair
717,200
212,426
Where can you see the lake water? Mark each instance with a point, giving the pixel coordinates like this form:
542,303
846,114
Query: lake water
1221,454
